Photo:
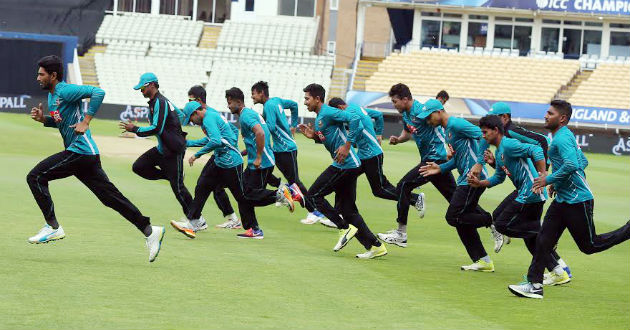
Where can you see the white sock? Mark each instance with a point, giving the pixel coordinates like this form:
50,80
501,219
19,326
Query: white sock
558,270
562,263
231,217
486,259
402,228
195,222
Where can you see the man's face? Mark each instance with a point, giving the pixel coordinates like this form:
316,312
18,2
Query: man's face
442,100
311,102
401,105
193,98
342,106
44,79
552,118
234,105
490,135
195,117
147,90
257,96
434,119
505,118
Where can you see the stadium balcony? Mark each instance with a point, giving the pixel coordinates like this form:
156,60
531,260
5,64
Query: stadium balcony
276,50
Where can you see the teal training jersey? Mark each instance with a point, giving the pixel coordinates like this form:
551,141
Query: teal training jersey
567,174
329,126
378,120
273,113
220,138
366,143
248,119
464,138
514,159
66,99
429,140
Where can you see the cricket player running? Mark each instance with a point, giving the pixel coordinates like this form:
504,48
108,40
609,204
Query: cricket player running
572,207
80,158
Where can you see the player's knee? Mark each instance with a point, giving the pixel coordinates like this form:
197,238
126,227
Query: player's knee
32,177
452,217
137,168
587,248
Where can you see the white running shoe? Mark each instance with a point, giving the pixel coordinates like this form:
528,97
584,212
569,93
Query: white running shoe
420,205
47,234
499,239
527,290
231,222
311,219
326,222
154,242
394,237
200,224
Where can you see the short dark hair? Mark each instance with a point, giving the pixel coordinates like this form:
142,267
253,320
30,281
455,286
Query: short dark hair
315,90
400,91
492,122
336,102
442,94
198,92
52,63
235,93
261,86
563,107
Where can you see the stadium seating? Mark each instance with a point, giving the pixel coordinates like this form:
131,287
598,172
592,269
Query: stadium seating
278,51
607,87
149,28
495,77
293,34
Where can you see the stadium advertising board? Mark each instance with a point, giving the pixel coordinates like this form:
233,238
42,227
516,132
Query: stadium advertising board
603,7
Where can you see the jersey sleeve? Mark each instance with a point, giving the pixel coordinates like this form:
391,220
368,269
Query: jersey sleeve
197,143
497,178
73,93
470,131
213,138
524,150
160,111
293,107
378,120
530,137
570,163
270,113
448,166
354,123
49,122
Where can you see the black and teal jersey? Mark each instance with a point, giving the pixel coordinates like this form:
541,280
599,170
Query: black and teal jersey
220,138
67,100
329,126
567,176
248,119
165,125
516,160
273,113
429,140
464,138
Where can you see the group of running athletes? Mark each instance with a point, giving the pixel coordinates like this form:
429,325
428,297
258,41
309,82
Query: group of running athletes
352,135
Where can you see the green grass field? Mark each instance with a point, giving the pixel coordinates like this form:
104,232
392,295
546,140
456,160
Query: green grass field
99,276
